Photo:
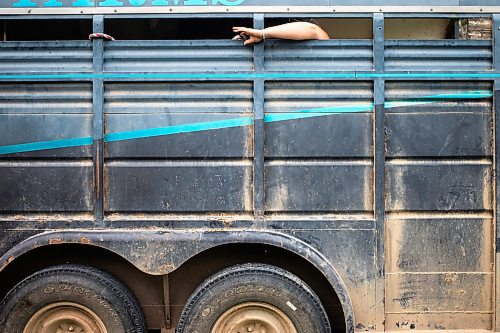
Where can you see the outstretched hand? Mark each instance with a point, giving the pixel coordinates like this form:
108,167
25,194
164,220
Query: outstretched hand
249,35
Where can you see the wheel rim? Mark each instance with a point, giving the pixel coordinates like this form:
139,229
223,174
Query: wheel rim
65,317
254,317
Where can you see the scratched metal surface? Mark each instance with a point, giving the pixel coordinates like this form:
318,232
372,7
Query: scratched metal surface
439,201
331,55
180,156
53,56
172,56
438,55
46,180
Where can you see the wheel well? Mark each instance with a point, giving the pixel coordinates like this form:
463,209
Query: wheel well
147,288
193,272
182,281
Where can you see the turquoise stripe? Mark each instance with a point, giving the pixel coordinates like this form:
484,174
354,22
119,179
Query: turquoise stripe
186,128
243,76
461,95
47,76
301,114
432,98
228,123
43,145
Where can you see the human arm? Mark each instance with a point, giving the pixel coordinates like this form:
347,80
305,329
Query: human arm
292,30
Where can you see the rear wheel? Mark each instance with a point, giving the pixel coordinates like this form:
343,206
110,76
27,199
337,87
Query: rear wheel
253,298
71,298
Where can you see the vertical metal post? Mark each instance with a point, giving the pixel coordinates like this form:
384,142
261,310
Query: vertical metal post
98,119
495,34
496,106
379,166
259,129
166,300
378,42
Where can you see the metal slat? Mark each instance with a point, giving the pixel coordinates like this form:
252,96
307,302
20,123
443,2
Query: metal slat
46,98
292,96
438,55
176,56
331,55
45,57
182,97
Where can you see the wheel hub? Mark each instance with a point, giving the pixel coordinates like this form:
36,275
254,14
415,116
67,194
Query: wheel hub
65,317
254,317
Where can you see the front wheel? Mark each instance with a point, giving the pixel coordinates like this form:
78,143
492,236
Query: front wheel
253,298
71,298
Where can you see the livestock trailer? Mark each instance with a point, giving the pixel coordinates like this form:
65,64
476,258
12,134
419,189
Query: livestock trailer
175,180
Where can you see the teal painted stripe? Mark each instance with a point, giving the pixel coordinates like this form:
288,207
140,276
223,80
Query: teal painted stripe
43,145
433,98
228,123
46,76
427,75
301,114
185,128
460,95
243,76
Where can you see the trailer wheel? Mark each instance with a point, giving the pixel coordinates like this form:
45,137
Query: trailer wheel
253,298
71,298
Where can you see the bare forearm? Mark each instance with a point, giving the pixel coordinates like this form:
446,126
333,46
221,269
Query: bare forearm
293,30
296,31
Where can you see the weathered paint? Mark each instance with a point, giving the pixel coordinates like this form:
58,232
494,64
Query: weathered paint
303,115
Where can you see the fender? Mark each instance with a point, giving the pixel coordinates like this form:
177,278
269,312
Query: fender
171,248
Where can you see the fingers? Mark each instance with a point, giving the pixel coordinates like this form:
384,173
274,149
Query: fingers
248,31
239,29
248,35
252,40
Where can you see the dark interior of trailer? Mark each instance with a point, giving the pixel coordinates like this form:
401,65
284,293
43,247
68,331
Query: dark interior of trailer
221,28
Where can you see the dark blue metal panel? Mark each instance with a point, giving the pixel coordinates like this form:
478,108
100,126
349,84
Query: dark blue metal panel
43,98
438,55
46,186
177,56
324,172
191,116
220,143
335,135
439,134
439,186
436,243
183,187
439,119
439,96
318,97
45,57
325,119
306,120
178,97
32,115
321,187
329,55
29,129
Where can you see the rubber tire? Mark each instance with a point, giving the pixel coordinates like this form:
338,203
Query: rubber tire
100,292
253,283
